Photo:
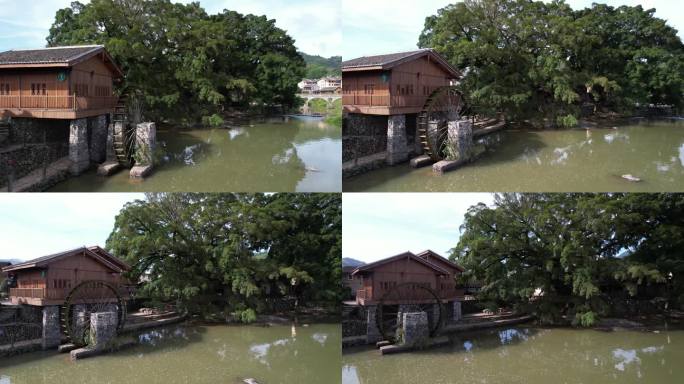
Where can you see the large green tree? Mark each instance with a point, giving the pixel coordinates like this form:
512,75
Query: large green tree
575,256
218,254
187,64
534,60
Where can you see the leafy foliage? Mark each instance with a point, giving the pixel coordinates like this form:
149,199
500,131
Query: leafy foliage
229,253
188,64
574,255
318,67
534,59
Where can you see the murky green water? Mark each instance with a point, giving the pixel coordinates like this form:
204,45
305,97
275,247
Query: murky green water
191,354
530,356
555,161
277,156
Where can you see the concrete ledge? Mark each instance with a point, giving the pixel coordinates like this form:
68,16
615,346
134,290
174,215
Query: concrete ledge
432,343
86,352
446,165
64,348
108,168
421,161
152,323
141,171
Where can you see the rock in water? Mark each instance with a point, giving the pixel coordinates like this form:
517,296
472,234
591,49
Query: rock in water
250,381
631,178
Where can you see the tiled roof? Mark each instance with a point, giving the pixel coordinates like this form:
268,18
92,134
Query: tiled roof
371,266
41,261
393,59
48,55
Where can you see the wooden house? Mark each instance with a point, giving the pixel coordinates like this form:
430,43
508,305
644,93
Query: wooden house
47,280
350,281
57,83
427,269
393,84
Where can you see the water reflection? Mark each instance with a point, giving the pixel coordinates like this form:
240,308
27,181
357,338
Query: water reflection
555,161
529,355
350,375
302,156
195,354
320,338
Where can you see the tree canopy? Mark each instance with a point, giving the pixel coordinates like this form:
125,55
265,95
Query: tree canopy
187,64
228,253
577,256
318,67
534,59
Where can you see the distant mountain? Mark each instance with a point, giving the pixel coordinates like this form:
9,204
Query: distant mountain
13,261
349,262
318,66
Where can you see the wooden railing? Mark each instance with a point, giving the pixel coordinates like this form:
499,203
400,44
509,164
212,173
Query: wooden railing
38,293
364,294
382,101
72,102
369,100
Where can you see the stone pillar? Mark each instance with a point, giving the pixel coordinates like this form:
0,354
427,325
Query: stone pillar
99,139
51,334
146,142
111,154
78,146
460,134
458,315
79,321
372,332
102,329
415,329
396,139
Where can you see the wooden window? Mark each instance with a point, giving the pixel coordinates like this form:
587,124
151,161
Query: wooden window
38,89
4,89
81,90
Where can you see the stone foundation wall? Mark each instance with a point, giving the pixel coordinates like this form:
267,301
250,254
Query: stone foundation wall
355,323
18,161
363,135
36,131
18,325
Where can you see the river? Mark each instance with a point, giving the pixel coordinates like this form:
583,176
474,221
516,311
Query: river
196,354
587,160
529,355
276,155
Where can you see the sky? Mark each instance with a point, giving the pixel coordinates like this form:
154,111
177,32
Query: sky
379,225
314,24
386,28
38,224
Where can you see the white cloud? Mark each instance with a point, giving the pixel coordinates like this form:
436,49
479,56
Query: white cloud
33,225
378,225
315,25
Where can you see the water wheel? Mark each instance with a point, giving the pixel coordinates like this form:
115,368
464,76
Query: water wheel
444,104
89,297
408,297
124,134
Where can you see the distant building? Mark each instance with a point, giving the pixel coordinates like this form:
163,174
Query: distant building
349,281
47,280
329,85
308,86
